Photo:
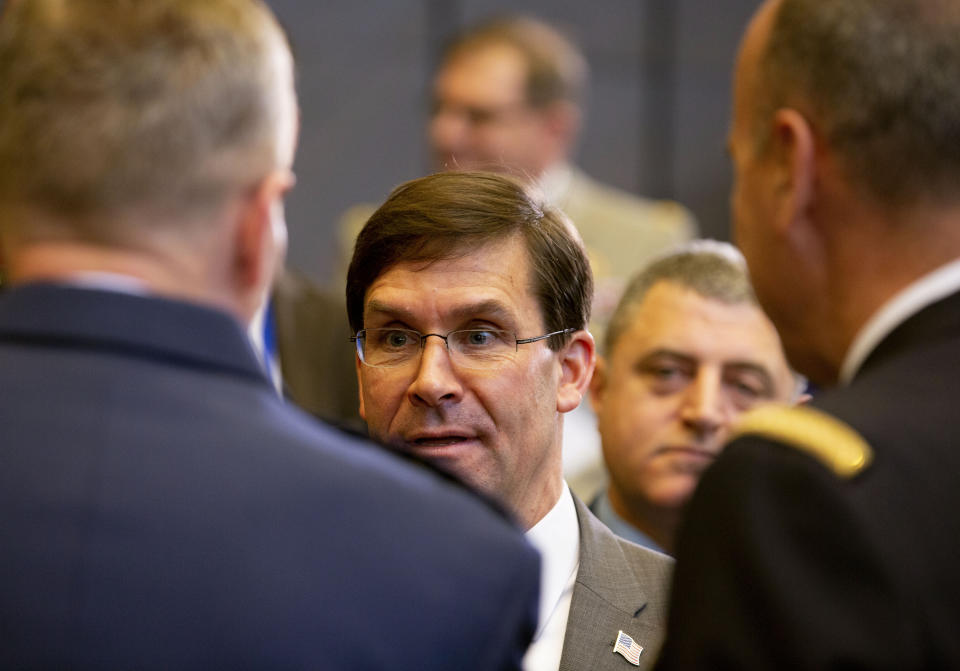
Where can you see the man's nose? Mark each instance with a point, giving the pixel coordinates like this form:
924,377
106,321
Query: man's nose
448,130
436,382
704,410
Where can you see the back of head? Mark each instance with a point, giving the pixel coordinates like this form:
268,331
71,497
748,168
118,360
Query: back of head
878,79
450,214
556,70
713,270
112,107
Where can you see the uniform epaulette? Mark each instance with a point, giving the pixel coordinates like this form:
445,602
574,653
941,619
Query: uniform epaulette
835,444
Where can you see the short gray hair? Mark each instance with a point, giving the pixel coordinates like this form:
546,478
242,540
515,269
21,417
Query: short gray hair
712,269
109,106
880,81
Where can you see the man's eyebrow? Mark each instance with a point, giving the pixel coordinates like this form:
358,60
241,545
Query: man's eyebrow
736,366
487,309
667,352
381,308
490,308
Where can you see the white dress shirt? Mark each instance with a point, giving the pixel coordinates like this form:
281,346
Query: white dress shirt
104,281
933,286
557,537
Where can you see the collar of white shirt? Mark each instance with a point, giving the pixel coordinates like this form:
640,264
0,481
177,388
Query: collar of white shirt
930,288
104,281
555,182
557,537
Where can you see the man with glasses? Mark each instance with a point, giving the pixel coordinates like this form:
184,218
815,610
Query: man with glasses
470,301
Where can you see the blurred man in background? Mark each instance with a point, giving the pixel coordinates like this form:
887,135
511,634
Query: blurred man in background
509,96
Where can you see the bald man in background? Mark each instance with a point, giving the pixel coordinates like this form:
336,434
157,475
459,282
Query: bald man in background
827,537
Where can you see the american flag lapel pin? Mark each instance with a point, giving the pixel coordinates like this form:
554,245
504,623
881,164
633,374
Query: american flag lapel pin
627,647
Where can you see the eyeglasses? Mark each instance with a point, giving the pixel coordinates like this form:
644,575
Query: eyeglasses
468,348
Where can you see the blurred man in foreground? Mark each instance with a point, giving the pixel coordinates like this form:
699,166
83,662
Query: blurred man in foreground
688,350
161,508
828,537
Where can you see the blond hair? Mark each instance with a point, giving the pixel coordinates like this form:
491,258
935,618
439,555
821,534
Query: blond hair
111,106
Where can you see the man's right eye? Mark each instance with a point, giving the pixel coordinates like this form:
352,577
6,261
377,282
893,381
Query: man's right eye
390,339
396,339
665,377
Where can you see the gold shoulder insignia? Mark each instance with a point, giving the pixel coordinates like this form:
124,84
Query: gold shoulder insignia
837,445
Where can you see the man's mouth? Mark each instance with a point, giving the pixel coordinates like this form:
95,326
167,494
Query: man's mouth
425,441
438,441
688,453
686,458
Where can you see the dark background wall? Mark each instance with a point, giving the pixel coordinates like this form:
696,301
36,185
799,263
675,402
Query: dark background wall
656,122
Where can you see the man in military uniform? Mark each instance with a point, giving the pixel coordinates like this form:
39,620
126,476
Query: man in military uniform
827,537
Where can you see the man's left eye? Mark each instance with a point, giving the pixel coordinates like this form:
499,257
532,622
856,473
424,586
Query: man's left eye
478,338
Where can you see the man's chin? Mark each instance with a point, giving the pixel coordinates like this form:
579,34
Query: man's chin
675,493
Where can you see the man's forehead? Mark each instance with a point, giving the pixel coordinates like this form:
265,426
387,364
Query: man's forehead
672,311
684,322
491,280
492,70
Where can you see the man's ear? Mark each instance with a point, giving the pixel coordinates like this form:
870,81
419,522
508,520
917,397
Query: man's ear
260,238
563,121
794,152
598,385
358,364
577,360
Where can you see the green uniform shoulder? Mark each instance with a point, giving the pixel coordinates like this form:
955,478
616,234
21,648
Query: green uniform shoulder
826,438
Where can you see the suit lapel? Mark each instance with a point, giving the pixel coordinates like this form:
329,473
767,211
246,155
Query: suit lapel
611,594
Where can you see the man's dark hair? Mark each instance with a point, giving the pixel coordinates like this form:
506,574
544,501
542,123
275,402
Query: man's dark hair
879,80
451,214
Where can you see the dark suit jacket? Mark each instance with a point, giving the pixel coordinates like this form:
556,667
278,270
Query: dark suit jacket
620,586
162,508
316,355
784,565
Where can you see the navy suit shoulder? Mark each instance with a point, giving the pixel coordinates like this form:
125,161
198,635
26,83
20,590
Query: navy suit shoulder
163,508
784,564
